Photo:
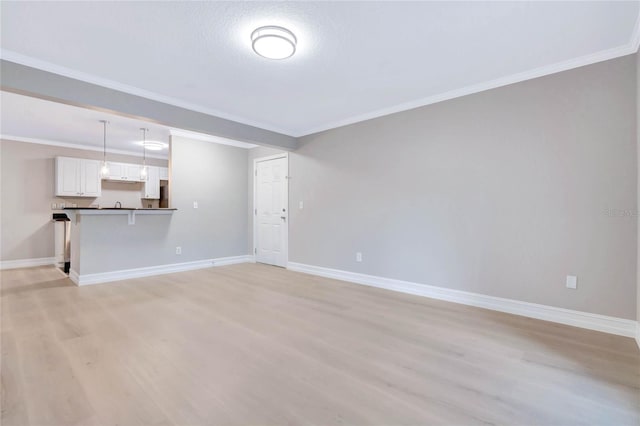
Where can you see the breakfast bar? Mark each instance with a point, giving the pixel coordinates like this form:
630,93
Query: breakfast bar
104,240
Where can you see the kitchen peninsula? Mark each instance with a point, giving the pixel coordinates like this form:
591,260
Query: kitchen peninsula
99,237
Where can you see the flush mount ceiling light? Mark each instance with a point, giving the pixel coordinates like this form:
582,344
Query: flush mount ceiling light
153,145
273,42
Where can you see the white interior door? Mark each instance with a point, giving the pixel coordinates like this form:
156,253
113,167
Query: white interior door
271,211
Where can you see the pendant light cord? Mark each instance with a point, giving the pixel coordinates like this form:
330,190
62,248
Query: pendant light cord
104,141
144,146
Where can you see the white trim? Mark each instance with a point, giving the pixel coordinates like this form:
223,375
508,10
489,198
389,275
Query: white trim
607,324
634,42
103,277
627,49
271,157
29,61
480,87
209,138
638,333
76,146
255,192
27,263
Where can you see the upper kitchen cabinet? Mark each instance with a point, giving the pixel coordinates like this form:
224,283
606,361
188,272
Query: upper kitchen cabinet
152,184
124,172
164,173
77,177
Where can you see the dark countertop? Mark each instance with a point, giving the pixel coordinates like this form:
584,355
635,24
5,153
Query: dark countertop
114,208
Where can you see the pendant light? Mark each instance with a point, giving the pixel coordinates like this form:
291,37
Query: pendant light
104,171
144,172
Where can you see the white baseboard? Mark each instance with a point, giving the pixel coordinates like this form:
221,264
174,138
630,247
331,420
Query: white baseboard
607,324
124,274
638,334
27,263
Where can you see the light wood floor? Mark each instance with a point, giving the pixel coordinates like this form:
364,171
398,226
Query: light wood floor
252,344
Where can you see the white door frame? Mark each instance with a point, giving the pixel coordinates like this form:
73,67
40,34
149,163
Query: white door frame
284,155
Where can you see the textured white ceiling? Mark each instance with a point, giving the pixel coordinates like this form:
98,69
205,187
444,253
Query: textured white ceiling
355,60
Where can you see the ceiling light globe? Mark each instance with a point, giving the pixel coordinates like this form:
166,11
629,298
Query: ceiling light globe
153,146
273,42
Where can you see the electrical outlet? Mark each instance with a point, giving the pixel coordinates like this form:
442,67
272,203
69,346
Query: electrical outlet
178,250
358,257
572,282
54,206
195,204
301,205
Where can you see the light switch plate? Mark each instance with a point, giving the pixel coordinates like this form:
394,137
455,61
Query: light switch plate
572,282
301,205
195,204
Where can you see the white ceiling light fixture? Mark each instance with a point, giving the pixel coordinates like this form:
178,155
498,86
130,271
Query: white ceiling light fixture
273,42
154,145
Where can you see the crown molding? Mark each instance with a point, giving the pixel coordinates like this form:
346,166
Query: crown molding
208,138
29,61
601,56
634,42
630,48
76,146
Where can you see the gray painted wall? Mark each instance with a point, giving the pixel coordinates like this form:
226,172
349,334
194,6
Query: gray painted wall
27,192
216,177
503,192
638,176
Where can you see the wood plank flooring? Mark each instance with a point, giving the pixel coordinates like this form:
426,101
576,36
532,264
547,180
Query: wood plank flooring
251,344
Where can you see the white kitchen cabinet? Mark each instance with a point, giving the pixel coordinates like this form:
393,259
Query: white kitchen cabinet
124,172
152,184
164,173
90,182
132,172
116,171
77,177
